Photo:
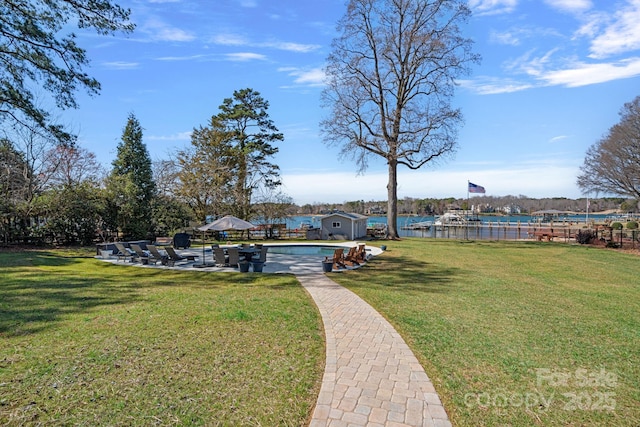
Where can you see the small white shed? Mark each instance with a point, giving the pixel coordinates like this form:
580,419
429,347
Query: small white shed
343,225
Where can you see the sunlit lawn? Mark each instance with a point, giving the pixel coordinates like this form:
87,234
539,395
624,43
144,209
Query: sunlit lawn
514,333
83,342
510,333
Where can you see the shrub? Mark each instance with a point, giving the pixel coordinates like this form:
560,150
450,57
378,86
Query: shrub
616,226
632,225
585,237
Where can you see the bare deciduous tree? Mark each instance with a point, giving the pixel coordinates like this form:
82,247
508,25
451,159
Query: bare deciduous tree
205,171
612,165
390,79
71,166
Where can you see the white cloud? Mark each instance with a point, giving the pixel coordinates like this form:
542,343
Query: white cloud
621,35
558,138
493,85
583,74
509,38
533,65
245,56
291,47
180,136
229,39
592,25
492,7
312,77
160,31
571,6
121,65
181,58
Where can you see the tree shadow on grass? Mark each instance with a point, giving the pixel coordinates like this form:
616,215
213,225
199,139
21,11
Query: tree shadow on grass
32,300
402,274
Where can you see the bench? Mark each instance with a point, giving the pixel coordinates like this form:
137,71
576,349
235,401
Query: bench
546,235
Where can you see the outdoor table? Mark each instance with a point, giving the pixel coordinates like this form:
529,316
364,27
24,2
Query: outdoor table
247,253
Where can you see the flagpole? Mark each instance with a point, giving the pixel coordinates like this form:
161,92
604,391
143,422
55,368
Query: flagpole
466,225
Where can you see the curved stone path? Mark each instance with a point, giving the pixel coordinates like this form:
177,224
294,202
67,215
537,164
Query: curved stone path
371,376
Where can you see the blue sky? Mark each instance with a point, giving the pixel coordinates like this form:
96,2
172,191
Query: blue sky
553,78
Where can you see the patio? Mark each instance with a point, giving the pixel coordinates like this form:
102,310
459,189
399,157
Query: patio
276,263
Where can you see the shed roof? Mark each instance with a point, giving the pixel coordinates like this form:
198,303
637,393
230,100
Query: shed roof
348,215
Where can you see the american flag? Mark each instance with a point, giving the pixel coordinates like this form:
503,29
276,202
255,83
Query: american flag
473,188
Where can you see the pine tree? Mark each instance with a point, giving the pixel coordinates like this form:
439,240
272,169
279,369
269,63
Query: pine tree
130,187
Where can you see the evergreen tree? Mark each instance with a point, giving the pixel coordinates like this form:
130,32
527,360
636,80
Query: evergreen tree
252,133
36,55
130,186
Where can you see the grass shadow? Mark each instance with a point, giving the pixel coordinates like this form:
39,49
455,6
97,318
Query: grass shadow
404,274
38,289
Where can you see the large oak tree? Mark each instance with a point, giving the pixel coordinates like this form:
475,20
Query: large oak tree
612,165
390,80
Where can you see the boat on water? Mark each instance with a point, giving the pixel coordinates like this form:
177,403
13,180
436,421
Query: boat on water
376,229
305,225
450,218
418,225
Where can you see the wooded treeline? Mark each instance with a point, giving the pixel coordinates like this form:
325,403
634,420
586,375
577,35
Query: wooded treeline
483,204
54,192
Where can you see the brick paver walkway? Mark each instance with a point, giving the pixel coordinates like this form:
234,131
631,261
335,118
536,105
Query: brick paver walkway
371,376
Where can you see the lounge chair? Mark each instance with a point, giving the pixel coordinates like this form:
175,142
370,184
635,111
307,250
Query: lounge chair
145,258
351,258
220,259
153,250
338,259
124,253
234,257
173,256
361,253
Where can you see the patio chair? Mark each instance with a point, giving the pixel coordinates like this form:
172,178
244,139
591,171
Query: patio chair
338,258
157,254
220,259
144,257
261,255
124,253
234,257
351,257
361,253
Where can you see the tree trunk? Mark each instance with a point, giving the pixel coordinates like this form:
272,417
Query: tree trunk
392,201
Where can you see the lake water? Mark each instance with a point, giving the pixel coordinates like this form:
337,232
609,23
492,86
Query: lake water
487,228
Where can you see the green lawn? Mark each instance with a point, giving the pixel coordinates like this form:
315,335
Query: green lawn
514,333
510,333
83,342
